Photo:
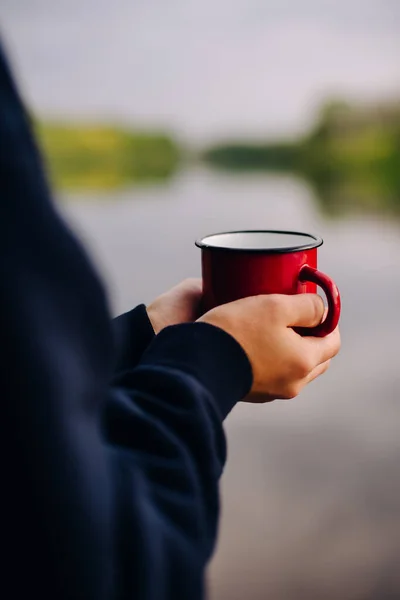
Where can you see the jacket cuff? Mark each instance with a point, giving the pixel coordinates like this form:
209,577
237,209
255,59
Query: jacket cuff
133,332
207,353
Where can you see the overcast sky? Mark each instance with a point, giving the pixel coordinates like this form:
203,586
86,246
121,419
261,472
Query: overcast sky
206,68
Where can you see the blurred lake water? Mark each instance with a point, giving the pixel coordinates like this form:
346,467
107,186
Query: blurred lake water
311,492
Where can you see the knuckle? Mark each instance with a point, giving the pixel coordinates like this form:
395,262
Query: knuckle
191,282
338,342
303,366
291,391
335,343
274,305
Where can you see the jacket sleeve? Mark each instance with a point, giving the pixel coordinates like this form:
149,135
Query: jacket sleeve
132,332
108,491
164,427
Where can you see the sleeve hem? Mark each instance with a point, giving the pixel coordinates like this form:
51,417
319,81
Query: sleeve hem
210,355
133,332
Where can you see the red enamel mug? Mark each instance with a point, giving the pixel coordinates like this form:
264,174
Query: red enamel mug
238,264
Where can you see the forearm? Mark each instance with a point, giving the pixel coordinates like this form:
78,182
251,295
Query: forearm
164,423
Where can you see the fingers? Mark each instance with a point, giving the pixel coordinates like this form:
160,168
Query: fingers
187,293
304,310
259,398
193,285
298,386
322,349
319,370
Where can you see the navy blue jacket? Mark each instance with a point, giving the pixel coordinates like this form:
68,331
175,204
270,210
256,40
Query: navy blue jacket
111,438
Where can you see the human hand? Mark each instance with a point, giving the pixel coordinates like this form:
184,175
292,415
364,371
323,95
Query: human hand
283,362
181,304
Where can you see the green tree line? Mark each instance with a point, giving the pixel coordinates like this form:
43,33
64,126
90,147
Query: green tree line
100,157
351,155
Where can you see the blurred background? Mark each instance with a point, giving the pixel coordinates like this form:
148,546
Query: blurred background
163,121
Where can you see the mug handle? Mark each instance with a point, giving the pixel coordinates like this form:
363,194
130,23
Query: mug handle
333,297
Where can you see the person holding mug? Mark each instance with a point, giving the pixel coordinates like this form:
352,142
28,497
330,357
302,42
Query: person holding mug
112,431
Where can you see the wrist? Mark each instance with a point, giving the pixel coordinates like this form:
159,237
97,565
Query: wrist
154,319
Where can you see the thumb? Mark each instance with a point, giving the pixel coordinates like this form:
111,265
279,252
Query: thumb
305,310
